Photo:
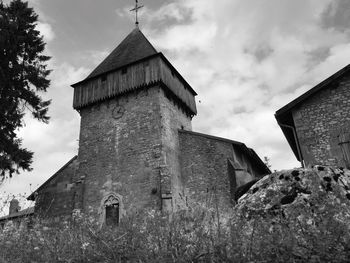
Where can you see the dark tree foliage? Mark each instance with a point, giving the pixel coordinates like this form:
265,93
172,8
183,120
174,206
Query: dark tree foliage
23,73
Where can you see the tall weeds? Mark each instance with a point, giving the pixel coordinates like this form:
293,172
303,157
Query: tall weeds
195,235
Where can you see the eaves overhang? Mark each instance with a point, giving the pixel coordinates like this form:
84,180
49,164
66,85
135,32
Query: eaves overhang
284,115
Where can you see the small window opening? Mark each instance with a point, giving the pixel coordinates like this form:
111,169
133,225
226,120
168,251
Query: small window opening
232,179
17,224
112,211
30,223
147,72
344,143
124,70
104,78
112,215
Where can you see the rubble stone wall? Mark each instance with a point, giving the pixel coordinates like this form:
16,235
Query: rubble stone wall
320,120
173,118
56,198
128,148
120,151
205,170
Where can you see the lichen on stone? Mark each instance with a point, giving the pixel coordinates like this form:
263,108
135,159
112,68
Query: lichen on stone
313,190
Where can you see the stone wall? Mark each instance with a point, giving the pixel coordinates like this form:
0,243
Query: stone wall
127,148
120,150
206,170
320,120
173,118
56,197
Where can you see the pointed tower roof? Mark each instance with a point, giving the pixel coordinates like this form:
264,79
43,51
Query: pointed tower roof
133,48
124,70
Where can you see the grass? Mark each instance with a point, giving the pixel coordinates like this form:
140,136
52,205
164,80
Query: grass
195,235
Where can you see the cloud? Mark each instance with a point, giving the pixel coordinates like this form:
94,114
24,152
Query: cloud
46,31
246,59
337,16
55,143
123,12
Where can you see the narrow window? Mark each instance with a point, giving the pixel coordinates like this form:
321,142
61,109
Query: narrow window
124,70
344,143
147,72
104,78
112,215
17,223
232,178
30,223
112,211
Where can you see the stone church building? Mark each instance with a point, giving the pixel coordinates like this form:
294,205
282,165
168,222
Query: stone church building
317,123
137,149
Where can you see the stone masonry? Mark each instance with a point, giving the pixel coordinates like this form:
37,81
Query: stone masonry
320,120
137,150
206,171
129,155
58,193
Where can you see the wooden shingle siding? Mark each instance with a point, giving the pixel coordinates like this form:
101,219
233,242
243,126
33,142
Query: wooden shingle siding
171,80
138,75
116,83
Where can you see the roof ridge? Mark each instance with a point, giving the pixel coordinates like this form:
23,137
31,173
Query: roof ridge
135,46
31,196
313,90
24,212
250,152
154,49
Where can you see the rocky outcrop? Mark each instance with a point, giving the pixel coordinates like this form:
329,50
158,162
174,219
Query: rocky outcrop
296,191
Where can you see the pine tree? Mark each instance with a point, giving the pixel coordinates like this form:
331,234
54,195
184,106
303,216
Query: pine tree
23,74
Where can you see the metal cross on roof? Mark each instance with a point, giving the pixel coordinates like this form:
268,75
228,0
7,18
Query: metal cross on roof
136,9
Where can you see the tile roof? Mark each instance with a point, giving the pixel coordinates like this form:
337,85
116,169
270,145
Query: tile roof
133,48
25,212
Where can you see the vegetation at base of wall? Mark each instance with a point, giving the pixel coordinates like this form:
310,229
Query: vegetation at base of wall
6,198
196,235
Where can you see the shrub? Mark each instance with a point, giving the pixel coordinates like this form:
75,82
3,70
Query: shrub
195,235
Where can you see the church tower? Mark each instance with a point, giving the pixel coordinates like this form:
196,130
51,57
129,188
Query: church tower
131,106
137,150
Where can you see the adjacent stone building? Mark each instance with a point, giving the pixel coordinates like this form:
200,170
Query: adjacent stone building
16,217
137,149
317,123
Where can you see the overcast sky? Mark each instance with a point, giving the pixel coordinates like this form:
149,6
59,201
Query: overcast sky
245,59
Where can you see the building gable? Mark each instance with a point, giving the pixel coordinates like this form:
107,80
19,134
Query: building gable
216,166
284,115
55,197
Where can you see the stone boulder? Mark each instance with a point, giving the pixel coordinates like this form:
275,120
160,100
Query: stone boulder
310,191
